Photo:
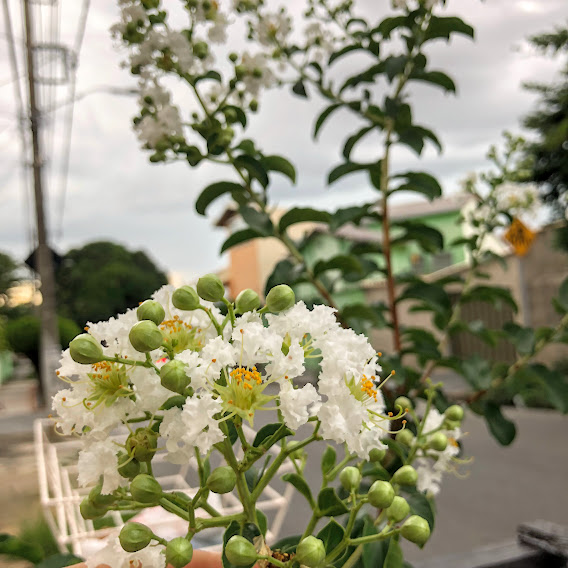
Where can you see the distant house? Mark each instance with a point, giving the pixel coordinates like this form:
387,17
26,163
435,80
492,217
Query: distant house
251,263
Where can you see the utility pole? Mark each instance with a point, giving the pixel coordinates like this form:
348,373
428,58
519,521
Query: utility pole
50,348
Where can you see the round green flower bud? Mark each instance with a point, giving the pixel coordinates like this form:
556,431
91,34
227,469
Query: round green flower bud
310,552
185,298
403,403
99,500
201,49
376,455
90,511
398,509
404,437
145,336
406,475
145,489
210,288
233,57
152,311
280,298
416,530
85,349
454,412
179,552
222,480
253,105
350,478
240,552
381,494
173,376
135,536
438,442
247,301
128,467
142,444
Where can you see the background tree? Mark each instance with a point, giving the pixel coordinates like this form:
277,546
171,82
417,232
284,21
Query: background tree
8,276
549,121
102,279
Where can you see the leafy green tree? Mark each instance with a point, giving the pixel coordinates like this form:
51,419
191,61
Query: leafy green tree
102,279
549,121
8,277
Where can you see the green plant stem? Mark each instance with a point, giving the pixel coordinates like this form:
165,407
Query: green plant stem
212,318
312,524
231,311
202,524
172,508
274,561
273,469
211,510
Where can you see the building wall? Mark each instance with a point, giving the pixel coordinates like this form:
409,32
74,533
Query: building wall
533,281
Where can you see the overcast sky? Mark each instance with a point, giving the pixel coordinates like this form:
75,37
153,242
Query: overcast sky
114,193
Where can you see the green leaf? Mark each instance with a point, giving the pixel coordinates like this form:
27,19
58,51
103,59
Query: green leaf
352,140
414,136
422,506
367,76
302,215
328,459
324,116
331,535
523,338
301,485
279,164
214,191
435,78
563,295
428,238
477,372
344,169
211,75
329,504
257,220
550,384
419,182
431,295
365,312
300,89
349,215
177,400
18,548
394,558
271,433
394,65
254,168
375,471
388,25
59,561
444,27
262,522
344,262
495,295
344,51
374,553
241,116
240,237
502,429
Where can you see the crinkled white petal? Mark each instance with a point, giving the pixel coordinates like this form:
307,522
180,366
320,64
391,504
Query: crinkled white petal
294,403
99,459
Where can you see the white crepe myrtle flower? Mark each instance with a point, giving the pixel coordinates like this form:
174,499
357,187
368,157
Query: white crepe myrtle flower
192,426
431,465
295,404
114,556
273,28
258,73
517,199
96,460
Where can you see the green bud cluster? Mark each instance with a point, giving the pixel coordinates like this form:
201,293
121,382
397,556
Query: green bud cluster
142,444
179,552
145,336
247,301
398,509
145,489
222,480
173,376
240,552
185,298
280,298
416,530
210,288
152,311
95,505
85,349
381,494
350,478
310,552
135,536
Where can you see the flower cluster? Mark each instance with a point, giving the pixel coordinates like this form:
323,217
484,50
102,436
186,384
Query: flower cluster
223,372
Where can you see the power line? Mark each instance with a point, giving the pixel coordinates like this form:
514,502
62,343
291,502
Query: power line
68,118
